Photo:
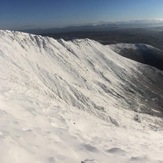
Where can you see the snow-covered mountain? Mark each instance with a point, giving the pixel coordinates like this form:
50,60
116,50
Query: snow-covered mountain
76,101
140,52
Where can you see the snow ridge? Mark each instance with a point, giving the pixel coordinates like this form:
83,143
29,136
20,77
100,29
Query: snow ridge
75,96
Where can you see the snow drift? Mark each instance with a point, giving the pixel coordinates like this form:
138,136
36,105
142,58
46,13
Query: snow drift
76,101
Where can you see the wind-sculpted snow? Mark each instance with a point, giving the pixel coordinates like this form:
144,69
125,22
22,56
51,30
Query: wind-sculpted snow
76,101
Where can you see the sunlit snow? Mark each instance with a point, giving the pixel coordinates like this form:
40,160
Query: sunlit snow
72,102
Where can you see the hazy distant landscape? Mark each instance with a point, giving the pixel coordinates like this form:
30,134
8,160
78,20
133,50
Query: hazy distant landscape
152,36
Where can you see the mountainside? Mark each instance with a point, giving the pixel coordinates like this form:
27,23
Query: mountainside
76,101
140,52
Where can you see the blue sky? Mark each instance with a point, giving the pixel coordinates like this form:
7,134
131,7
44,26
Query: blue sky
58,13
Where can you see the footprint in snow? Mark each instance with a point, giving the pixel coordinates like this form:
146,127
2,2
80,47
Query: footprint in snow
88,160
117,151
139,159
90,148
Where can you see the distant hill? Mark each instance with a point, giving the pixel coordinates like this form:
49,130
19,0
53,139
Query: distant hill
140,52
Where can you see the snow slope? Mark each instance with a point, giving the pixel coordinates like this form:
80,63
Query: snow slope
76,101
140,52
